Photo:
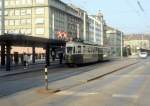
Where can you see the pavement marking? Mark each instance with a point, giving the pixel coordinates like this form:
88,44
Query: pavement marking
147,63
124,96
68,93
132,76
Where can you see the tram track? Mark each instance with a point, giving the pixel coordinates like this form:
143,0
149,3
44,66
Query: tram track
92,79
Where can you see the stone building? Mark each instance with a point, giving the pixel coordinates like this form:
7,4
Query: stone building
136,42
115,40
41,18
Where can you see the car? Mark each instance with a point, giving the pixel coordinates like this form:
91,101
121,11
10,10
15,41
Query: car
143,54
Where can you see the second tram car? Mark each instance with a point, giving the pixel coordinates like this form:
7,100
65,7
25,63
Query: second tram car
81,53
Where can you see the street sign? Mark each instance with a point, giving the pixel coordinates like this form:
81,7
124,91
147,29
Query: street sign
62,35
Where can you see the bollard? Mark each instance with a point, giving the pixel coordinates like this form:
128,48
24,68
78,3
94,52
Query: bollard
46,78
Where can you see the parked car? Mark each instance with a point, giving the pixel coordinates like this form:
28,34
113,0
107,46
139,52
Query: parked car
143,54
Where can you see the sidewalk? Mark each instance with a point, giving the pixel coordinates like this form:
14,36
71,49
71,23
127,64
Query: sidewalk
32,68
91,75
37,94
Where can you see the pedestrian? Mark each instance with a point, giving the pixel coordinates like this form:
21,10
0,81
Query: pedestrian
53,55
16,58
21,58
60,56
25,60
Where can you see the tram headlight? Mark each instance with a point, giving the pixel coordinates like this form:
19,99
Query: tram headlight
104,55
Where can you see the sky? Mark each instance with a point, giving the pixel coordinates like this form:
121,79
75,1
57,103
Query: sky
125,15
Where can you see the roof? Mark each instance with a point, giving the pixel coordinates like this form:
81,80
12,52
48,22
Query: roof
24,40
137,37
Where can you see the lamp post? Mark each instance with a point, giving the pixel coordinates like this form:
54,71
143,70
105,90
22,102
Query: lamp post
121,44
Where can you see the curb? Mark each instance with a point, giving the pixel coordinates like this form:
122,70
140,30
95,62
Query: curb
29,71
92,79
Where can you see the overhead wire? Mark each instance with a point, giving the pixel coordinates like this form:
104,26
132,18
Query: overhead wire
144,13
140,6
142,19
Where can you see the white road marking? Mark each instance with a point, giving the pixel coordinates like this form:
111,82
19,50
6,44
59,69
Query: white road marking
67,93
124,96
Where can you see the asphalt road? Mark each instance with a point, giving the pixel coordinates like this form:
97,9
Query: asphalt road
127,87
17,83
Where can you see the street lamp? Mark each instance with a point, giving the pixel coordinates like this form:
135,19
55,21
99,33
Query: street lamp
121,44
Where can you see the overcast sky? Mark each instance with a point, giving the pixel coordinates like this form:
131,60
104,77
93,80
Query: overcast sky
126,15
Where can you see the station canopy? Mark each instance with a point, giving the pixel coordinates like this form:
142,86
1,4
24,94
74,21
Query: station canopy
29,41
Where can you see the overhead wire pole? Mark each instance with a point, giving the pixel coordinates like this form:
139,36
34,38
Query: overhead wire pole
2,17
142,9
138,12
121,45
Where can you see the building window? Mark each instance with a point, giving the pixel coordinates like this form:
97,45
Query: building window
28,31
29,2
23,21
6,31
23,12
39,11
6,12
29,11
6,22
12,2
39,1
17,22
16,31
17,12
6,3
23,1
11,31
39,21
23,31
17,2
11,12
28,21
40,31
11,22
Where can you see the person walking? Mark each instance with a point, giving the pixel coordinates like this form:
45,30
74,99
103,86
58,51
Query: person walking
25,60
53,54
60,56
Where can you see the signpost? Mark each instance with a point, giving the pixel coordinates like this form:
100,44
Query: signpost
46,77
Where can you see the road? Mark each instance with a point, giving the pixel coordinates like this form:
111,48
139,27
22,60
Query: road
17,83
127,87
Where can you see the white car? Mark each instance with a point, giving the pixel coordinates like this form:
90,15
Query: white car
143,54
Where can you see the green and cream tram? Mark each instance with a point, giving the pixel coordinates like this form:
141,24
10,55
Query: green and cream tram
81,53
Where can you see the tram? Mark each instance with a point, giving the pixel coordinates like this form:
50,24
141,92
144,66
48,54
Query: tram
80,53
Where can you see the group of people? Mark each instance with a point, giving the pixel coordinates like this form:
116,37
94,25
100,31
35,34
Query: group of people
53,55
60,55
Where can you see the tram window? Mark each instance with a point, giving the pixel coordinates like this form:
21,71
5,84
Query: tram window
74,50
69,50
84,49
89,50
79,49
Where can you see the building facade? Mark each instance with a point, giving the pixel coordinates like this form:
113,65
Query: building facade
94,30
84,27
41,18
115,40
136,42
93,26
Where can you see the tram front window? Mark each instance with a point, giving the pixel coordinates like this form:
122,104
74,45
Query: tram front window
69,50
